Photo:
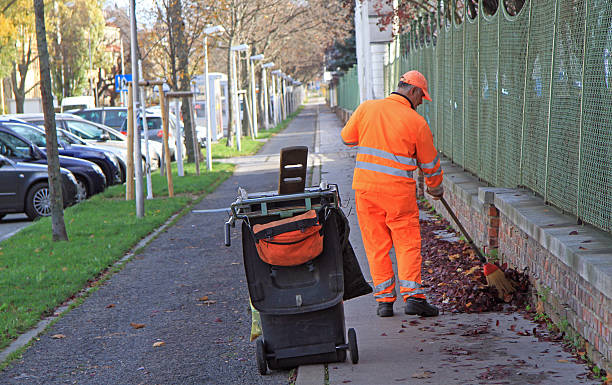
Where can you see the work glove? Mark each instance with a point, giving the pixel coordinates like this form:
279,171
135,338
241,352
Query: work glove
436,192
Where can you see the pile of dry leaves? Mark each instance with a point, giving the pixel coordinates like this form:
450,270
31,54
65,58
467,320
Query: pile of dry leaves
454,277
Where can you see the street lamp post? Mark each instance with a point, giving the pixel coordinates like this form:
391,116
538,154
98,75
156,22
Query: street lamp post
135,80
275,95
209,31
253,93
265,93
234,49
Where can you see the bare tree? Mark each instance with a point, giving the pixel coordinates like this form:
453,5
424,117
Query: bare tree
55,184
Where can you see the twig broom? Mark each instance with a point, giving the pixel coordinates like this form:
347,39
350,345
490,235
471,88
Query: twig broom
494,275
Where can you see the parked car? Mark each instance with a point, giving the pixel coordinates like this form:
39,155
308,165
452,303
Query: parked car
112,117
200,118
70,138
106,160
156,132
24,188
90,178
96,134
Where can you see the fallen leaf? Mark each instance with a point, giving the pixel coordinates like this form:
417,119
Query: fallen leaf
468,304
430,271
110,305
573,233
472,270
158,344
383,334
205,298
137,326
58,336
64,268
401,330
424,374
218,320
454,257
563,361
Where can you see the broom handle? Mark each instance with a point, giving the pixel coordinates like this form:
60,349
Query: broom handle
465,234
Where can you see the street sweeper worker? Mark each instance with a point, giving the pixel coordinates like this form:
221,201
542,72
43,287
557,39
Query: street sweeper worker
394,140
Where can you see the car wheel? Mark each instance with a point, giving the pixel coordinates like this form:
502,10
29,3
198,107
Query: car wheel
82,192
38,201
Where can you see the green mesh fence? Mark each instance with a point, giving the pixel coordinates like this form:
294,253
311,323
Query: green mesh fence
521,100
447,131
513,32
595,196
457,98
348,90
471,96
565,111
537,95
487,120
438,97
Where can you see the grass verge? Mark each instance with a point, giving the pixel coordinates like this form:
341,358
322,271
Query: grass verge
37,275
249,146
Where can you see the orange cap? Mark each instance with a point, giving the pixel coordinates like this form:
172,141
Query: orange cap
416,79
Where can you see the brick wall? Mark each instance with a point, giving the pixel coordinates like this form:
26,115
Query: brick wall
565,295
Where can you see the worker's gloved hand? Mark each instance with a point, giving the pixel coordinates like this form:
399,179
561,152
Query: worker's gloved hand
436,192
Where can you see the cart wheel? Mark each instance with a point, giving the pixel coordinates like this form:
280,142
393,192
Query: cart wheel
260,352
352,343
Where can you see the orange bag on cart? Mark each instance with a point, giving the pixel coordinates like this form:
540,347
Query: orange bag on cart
290,241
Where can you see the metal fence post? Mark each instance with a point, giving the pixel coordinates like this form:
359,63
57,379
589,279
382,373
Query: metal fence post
498,89
552,66
520,178
464,27
584,54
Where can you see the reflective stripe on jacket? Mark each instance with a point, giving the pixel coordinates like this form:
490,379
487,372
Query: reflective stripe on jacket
394,140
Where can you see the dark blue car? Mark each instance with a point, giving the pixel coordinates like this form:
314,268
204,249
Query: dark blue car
90,178
106,160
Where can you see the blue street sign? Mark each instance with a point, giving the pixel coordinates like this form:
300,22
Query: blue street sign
121,82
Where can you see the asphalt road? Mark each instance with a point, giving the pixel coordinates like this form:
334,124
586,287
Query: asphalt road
161,288
11,224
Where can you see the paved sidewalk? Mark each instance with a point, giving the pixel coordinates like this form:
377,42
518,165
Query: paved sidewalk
449,349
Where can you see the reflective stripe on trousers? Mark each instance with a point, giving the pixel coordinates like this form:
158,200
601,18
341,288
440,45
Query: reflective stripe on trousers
385,292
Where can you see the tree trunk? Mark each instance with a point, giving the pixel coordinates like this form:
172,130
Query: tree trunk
18,90
230,93
55,182
182,81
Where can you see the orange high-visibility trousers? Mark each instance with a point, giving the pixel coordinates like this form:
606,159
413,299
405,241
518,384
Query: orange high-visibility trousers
389,220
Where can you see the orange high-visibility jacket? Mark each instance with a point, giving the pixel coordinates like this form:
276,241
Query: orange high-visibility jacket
393,141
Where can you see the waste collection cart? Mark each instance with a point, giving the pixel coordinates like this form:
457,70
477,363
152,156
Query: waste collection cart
299,297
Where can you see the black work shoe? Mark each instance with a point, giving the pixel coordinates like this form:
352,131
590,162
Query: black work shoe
385,309
419,306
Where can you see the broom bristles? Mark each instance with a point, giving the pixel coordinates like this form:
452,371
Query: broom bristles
498,280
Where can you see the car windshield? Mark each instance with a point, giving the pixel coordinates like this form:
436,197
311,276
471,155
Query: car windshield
13,147
154,123
69,138
93,116
84,130
28,132
115,118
